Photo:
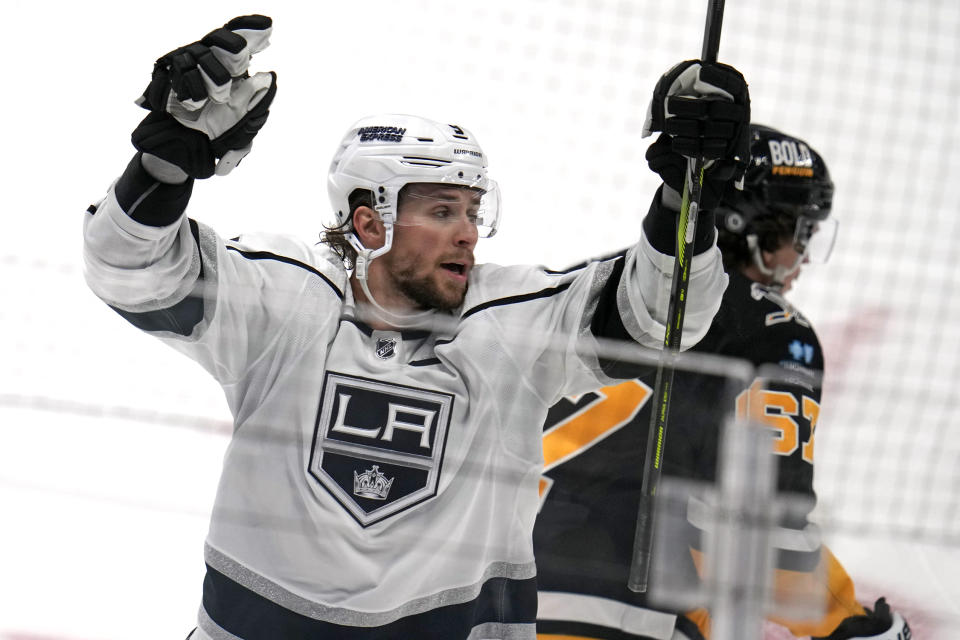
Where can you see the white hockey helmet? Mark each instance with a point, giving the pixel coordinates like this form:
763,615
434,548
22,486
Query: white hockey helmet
383,153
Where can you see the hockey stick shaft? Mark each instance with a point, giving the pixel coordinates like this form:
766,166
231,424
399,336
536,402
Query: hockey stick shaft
663,387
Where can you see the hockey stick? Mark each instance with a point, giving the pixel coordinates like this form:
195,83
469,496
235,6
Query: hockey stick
656,439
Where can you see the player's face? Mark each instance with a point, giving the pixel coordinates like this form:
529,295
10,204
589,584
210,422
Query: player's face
433,243
788,259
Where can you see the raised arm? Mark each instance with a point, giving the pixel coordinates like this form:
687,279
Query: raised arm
204,111
223,303
702,110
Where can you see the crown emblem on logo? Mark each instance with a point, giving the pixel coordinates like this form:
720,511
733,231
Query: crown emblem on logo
386,348
371,484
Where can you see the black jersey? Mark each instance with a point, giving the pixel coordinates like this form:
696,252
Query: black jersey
594,448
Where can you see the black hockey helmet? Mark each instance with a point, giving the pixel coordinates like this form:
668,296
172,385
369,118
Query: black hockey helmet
786,186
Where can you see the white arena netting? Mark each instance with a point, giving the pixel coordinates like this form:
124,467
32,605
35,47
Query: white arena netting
110,443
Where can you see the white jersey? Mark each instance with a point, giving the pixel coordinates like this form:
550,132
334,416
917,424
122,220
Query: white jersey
378,484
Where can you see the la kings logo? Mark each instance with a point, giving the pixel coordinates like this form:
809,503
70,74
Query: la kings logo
378,447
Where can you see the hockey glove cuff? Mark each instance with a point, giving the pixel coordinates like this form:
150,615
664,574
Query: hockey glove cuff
672,169
149,201
660,227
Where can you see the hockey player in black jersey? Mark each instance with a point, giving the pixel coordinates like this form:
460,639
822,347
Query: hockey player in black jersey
387,392
593,444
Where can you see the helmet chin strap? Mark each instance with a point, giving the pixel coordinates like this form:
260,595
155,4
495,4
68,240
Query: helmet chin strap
361,271
779,273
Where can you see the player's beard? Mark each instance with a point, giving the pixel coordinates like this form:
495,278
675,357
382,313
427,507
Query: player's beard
425,293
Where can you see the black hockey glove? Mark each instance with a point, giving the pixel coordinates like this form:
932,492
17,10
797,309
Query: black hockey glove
879,624
703,110
205,108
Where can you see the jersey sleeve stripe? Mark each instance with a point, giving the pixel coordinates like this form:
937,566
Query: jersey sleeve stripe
526,297
427,362
179,318
266,255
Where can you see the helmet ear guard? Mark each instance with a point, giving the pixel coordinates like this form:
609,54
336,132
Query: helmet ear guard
732,221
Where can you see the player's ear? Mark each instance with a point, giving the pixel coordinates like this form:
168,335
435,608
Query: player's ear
368,227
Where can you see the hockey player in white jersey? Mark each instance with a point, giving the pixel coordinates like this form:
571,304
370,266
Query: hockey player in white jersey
387,392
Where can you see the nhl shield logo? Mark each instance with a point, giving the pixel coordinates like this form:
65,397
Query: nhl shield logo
378,447
386,348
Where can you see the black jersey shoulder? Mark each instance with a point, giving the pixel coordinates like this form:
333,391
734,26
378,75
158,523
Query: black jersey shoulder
759,324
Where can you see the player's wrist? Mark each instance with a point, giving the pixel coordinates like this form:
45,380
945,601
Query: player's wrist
660,224
148,200
670,198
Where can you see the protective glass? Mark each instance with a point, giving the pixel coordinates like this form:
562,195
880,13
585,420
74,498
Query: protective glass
447,203
815,238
